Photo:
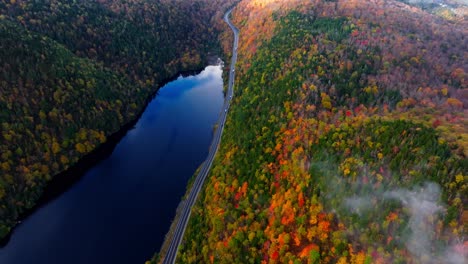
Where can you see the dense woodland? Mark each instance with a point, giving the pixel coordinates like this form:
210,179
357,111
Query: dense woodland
73,72
347,139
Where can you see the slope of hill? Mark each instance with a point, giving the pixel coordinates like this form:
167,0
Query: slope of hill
73,72
346,141
448,9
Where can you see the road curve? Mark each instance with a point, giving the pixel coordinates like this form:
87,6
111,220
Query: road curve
171,254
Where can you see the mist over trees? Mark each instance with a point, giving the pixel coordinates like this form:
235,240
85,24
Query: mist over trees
346,141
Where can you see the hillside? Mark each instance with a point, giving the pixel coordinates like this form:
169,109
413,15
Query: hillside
74,72
456,10
346,141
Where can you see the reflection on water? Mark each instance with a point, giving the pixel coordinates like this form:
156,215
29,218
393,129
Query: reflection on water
121,209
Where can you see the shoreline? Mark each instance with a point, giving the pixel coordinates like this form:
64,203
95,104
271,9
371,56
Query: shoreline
160,256
64,180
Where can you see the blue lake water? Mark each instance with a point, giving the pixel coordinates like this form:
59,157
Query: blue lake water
121,209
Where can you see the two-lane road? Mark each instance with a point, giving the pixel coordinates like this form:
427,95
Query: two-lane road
171,255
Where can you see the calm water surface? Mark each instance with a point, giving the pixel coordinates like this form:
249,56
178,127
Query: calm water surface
121,209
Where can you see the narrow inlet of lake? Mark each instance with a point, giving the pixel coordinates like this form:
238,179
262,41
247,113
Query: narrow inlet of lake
121,209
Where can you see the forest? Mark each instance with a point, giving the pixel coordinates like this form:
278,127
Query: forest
74,72
346,141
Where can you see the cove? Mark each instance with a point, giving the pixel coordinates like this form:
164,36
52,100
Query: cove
121,209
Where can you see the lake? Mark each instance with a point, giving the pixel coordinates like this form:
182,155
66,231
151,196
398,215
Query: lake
121,209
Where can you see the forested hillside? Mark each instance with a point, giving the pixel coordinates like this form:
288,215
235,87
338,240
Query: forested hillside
73,72
448,9
346,141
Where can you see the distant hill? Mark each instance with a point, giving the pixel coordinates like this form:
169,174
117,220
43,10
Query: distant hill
448,9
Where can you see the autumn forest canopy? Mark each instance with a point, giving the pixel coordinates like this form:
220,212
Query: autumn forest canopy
346,140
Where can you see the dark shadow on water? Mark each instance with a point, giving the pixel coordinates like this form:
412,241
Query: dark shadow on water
66,179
